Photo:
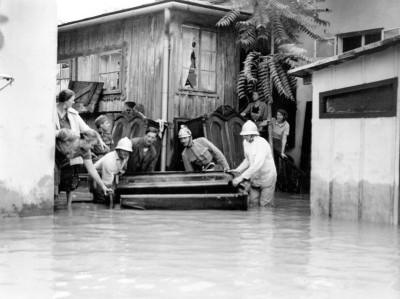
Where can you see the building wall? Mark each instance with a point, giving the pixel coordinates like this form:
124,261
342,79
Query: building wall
345,16
28,53
140,40
355,161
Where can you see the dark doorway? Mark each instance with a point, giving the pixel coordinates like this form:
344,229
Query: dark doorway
305,159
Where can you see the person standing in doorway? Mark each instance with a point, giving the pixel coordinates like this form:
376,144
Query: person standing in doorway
258,167
280,132
257,110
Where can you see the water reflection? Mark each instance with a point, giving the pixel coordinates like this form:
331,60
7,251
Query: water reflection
92,252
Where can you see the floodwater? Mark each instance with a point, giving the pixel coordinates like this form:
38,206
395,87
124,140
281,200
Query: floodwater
93,252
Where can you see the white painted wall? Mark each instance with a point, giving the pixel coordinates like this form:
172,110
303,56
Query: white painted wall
355,161
28,53
346,16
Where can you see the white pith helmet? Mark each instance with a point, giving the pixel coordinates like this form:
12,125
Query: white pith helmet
124,144
184,132
249,128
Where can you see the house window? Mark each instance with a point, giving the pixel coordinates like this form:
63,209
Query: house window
110,71
377,99
352,40
198,59
63,75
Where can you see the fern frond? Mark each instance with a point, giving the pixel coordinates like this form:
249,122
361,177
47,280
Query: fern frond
228,19
250,64
283,76
264,85
277,5
279,79
311,34
280,35
248,37
292,82
241,85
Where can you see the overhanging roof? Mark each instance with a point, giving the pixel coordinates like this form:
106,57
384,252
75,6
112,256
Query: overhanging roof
150,8
308,69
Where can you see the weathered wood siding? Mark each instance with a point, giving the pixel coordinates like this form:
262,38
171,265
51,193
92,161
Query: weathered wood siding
355,161
140,40
187,104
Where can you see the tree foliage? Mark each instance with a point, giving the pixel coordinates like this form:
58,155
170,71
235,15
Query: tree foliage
270,37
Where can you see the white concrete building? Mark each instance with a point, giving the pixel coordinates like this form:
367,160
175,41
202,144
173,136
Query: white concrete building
28,43
352,24
355,129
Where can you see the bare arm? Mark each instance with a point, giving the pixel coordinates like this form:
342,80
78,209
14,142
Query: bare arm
284,140
246,110
95,175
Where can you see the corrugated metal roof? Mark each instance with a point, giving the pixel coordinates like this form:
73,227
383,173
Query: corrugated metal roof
308,69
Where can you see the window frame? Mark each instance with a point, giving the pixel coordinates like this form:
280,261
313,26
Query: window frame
200,88
109,53
323,96
59,64
361,33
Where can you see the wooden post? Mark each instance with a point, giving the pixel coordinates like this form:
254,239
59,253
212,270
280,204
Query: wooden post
270,100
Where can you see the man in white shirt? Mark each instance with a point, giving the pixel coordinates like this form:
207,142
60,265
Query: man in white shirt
112,164
258,167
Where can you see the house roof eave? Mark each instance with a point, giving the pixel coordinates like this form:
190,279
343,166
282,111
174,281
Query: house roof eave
149,9
310,68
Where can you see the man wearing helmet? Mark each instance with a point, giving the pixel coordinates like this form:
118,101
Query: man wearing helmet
200,154
111,164
258,167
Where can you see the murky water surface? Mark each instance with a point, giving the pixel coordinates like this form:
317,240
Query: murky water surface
92,252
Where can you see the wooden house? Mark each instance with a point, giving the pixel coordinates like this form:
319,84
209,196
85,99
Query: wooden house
355,156
167,56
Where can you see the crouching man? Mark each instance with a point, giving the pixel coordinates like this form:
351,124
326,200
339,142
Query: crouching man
200,154
144,155
258,167
110,165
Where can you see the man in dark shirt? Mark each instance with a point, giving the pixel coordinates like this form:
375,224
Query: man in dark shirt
103,127
144,155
